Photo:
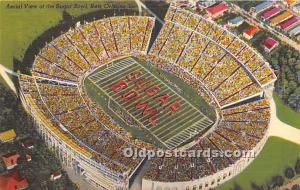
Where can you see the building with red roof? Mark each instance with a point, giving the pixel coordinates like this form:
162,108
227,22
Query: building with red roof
13,181
55,176
269,44
290,2
28,143
250,32
10,160
217,10
270,12
28,157
288,23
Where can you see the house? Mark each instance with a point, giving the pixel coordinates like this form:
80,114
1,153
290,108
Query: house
55,176
10,160
270,13
250,32
28,143
280,18
7,136
218,10
205,4
235,22
261,7
296,8
269,44
28,157
13,181
295,31
290,2
286,25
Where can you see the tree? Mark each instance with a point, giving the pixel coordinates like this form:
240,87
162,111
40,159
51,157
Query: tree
289,173
277,181
236,187
296,187
292,100
297,167
255,186
285,60
16,64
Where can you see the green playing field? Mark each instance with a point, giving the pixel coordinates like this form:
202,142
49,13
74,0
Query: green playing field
141,98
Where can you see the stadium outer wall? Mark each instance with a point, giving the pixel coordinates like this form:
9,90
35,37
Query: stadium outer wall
83,166
211,181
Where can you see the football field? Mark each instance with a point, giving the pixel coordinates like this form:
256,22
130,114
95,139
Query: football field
165,114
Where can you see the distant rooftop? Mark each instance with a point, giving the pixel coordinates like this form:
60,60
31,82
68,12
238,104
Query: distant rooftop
207,3
236,20
295,31
290,2
262,6
251,31
7,135
13,180
297,6
271,12
270,43
215,9
280,18
288,22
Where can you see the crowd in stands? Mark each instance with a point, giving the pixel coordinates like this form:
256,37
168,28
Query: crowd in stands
190,56
215,67
226,39
81,49
203,47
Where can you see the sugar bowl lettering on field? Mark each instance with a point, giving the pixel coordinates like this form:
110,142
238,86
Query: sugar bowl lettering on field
143,86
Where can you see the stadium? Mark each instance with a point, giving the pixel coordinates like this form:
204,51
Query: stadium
102,87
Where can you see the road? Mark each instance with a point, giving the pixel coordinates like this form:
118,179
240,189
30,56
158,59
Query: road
142,5
280,129
7,79
268,28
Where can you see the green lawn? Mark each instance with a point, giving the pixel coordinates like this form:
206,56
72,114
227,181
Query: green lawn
19,27
274,158
286,114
